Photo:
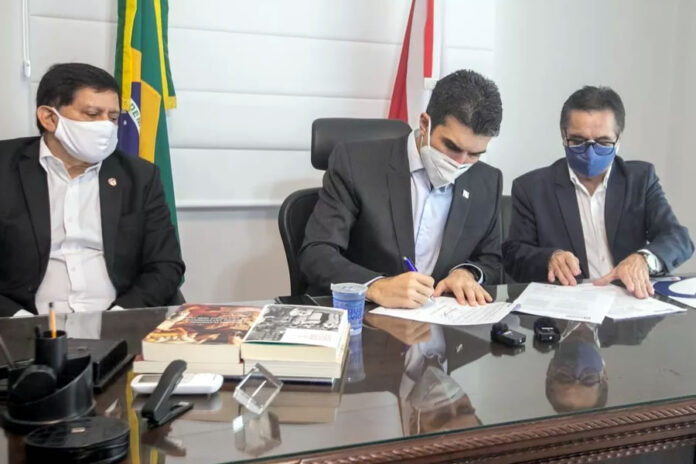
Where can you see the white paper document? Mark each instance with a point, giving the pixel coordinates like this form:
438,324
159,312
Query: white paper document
584,302
446,311
627,306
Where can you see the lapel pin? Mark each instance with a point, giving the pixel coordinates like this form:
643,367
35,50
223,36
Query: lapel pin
112,182
465,194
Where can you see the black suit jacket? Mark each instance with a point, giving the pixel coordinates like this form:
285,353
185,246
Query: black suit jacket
545,217
362,225
141,249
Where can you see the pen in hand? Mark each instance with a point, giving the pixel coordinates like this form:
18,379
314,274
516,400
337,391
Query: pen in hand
412,268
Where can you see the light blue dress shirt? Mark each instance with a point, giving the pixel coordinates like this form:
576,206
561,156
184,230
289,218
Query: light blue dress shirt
430,208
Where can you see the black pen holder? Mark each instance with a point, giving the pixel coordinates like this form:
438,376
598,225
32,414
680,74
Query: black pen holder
51,352
53,389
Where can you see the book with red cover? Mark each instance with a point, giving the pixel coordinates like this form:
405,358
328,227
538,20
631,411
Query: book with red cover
200,334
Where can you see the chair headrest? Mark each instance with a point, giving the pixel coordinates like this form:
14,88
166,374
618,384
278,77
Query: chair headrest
327,132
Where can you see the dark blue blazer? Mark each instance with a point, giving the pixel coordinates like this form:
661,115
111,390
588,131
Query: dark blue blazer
545,218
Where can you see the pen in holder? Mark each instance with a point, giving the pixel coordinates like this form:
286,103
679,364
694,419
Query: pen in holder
53,389
52,352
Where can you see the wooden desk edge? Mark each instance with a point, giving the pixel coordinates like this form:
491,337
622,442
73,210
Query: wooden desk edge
581,438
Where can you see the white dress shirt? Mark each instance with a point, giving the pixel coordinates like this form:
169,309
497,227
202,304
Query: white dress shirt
599,258
594,231
76,278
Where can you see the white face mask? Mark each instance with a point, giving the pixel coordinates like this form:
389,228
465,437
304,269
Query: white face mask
88,141
442,170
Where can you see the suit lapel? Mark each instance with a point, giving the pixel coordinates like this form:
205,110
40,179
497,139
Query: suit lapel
616,191
111,179
35,188
399,185
459,210
568,204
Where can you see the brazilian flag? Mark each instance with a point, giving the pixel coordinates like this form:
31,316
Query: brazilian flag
142,69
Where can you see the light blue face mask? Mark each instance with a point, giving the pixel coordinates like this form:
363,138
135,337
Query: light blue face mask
590,159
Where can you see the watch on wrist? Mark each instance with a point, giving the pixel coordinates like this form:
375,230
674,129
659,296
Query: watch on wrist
649,260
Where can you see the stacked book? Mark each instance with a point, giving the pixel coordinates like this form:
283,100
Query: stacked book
207,337
293,342
298,341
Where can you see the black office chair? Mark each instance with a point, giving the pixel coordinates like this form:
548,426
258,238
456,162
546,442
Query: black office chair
505,215
505,218
298,206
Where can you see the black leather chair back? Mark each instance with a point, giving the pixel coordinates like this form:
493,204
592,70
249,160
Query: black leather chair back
298,206
292,219
505,215
327,132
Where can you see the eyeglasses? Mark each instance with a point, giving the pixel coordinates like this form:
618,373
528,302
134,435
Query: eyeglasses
601,147
588,377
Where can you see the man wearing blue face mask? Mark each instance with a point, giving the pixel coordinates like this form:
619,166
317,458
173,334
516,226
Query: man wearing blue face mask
592,214
425,196
83,226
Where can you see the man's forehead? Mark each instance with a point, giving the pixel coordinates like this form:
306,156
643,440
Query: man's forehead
87,96
591,121
463,136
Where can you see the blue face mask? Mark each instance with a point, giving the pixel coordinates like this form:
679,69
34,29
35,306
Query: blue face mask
591,159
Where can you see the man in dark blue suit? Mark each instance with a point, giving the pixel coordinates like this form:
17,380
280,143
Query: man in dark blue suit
592,214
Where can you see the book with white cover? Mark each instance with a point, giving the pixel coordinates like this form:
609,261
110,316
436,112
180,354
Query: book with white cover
296,333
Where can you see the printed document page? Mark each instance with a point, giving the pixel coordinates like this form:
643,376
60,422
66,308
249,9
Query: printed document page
446,311
627,306
584,302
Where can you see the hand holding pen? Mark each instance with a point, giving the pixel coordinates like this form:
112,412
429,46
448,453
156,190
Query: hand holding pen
408,290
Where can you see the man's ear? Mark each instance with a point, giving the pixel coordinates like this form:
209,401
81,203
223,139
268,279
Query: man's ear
423,122
47,118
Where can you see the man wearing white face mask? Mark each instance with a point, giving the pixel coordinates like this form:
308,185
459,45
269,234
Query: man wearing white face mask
82,225
425,196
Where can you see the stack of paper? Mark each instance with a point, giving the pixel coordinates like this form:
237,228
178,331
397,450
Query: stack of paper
588,303
446,311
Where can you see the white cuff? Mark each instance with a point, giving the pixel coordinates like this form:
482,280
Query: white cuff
370,282
23,313
477,271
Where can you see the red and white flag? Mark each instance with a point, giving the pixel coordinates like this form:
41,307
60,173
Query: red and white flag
419,64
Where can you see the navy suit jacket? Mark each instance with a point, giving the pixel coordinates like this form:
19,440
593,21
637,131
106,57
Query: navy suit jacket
545,218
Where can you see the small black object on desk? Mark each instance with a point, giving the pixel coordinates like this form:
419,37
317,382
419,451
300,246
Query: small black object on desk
158,409
500,333
51,390
87,440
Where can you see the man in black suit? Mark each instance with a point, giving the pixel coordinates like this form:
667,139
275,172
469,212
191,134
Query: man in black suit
82,225
592,213
424,196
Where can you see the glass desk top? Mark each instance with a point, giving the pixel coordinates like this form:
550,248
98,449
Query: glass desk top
404,379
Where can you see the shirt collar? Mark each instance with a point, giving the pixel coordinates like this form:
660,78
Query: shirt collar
46,156
574,178
415,163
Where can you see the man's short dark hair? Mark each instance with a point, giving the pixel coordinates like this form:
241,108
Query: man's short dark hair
58,86
591,98
470,98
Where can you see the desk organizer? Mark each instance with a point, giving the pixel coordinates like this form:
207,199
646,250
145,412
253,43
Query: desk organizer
51,390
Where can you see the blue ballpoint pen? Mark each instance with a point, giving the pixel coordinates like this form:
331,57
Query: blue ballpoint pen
411,267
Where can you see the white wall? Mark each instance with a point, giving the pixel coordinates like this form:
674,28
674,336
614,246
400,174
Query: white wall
251,76
678,147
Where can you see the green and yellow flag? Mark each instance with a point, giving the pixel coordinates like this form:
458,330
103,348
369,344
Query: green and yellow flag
142,69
